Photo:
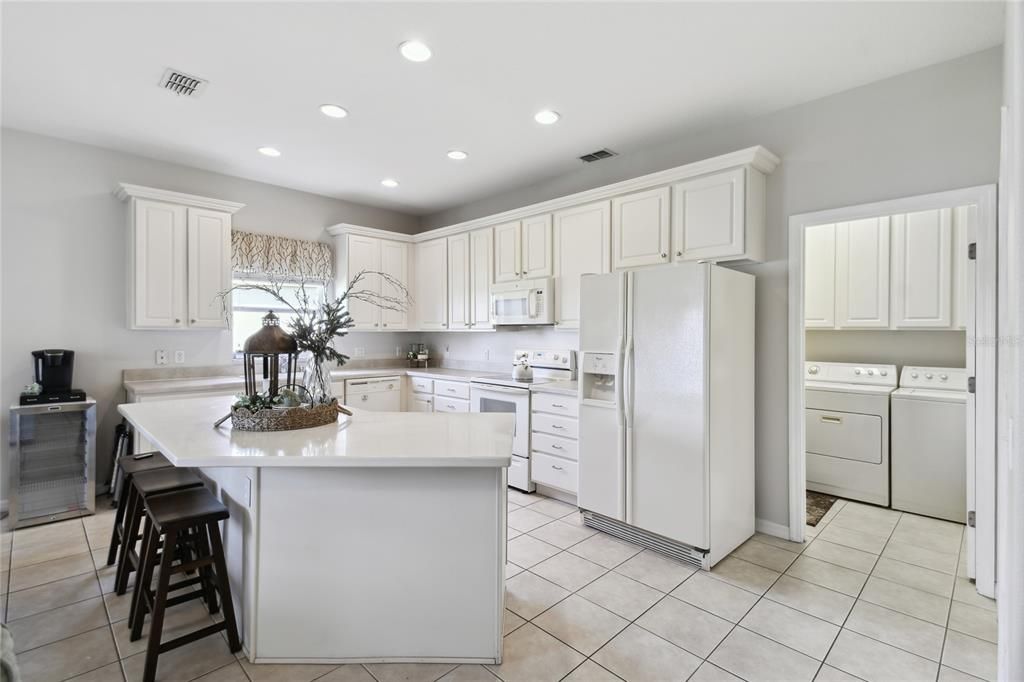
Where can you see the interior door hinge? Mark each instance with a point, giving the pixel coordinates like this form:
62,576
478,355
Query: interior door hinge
972,251
970,384
970,519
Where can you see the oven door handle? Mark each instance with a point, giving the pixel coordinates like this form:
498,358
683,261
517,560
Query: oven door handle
502,389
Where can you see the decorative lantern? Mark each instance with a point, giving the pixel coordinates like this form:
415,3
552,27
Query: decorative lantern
265,348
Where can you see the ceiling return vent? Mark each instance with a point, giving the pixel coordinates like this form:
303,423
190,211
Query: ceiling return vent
182,84
599,155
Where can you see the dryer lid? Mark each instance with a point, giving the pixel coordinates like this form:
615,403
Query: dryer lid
931,394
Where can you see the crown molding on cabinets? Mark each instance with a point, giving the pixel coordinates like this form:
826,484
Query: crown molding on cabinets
348,228
126,191
756,157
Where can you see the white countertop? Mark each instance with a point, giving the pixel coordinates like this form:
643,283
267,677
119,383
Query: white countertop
559,386
232,383
183,431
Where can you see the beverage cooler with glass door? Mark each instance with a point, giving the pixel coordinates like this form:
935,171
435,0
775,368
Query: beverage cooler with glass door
51,472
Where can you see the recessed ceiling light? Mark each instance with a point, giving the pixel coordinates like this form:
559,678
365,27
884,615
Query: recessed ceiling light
269,151
415,51
457,155
546,117
333,110
390,183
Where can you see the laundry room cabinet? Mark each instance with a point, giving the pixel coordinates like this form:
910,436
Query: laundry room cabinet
922,270
179,259
582,246
862,274
820,277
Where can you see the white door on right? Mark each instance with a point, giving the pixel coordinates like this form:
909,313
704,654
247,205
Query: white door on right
862,274
922,267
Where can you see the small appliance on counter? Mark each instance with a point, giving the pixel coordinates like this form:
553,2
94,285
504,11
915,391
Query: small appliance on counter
418,355
53,369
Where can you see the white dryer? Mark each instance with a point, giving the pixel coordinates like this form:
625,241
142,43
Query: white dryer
929,442
847,429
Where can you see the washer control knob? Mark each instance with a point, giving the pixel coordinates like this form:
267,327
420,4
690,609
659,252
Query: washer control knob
913,375
884,372
813,369
871,372
943,377
928,376
857,371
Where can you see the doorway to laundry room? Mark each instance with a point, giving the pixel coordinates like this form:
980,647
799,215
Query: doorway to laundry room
892,387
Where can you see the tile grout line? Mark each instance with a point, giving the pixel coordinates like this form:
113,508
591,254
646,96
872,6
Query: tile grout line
949,608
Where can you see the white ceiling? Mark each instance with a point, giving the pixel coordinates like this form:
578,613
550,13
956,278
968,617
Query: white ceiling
621,75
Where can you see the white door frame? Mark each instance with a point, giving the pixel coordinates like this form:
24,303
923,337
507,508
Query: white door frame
984,196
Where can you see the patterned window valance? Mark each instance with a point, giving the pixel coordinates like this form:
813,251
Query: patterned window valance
281,257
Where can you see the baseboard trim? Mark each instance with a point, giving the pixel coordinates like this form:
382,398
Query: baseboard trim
771,528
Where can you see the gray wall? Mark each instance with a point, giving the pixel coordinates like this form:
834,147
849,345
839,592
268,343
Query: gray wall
63,267
908,347
925,131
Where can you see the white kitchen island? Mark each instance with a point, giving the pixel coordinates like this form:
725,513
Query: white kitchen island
378,539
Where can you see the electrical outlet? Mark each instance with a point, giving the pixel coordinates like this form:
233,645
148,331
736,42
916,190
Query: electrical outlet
161,357
359,352
487,353
179,357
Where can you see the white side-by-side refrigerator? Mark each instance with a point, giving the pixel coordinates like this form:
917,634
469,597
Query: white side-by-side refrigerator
666,432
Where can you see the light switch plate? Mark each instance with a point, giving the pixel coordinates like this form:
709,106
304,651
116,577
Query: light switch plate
161,357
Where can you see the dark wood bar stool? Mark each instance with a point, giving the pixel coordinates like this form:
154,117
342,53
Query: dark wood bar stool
187,522
145,484
127,467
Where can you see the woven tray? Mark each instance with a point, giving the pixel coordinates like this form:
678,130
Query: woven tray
303,417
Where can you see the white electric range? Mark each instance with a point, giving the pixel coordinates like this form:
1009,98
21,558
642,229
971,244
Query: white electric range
496,394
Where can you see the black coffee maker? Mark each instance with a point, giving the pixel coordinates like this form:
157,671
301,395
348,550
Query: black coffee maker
54,368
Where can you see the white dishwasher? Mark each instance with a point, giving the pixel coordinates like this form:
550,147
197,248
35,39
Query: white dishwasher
379,394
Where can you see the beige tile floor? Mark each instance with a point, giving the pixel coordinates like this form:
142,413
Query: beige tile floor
873,595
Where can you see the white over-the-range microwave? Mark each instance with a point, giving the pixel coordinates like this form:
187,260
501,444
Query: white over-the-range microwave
526,301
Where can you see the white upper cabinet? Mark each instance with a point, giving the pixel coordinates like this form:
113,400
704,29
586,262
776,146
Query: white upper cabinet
179,259
481,248
209,270
394,261
719,216
363,255
862,274
582,246
458,282
507,252
360,253
536,250
160,266
640,228
522,249
820,277
431,291
922,262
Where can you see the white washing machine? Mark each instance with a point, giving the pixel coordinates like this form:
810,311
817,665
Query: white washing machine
929,442
847,429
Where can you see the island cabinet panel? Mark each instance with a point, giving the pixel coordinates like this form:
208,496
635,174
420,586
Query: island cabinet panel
336,546
820,277
922,269
582,246
431,291
640,228
862,274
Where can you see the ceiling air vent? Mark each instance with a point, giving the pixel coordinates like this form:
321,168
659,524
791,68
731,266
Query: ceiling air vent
182,84
598,155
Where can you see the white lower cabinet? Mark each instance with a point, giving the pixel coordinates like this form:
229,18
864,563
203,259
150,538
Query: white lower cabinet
419,402
553,445
442,404
922,270
582,246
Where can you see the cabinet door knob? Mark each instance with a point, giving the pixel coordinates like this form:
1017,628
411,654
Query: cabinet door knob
664,255
444,324
679,253
177,320
375,324
193,320
385,324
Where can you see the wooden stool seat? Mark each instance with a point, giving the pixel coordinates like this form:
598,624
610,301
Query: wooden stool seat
162,480
128,466
181,527
186,508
